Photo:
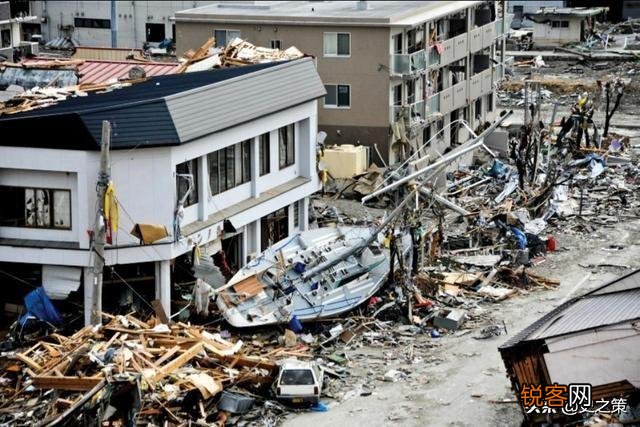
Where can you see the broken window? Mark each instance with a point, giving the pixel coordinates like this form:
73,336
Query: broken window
35,207
225,36
5,36
559,24
265,155
182,182
337,44
286,146
337,96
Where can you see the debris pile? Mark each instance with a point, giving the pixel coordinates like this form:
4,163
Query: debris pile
238,52
130,370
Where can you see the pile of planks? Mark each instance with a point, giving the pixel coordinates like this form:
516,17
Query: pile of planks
167,362
237,53
46,96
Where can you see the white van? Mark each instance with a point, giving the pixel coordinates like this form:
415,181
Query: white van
299,382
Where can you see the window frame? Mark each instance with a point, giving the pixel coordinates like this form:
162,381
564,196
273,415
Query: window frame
279,42
336,55
336,106
51,192
287,153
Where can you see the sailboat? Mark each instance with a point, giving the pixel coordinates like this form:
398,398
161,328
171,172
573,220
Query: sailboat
311,275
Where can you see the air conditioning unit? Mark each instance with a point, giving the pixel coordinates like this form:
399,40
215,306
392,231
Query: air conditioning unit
29,48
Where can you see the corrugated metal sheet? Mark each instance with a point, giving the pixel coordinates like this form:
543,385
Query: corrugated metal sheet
591,312
107,71
615,302
104,53
244,98
144,124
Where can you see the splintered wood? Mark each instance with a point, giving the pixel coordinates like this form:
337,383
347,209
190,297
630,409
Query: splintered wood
166,361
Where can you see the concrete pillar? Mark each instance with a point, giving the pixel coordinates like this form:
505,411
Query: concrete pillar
203,188
304,214
256,237
87,274
255,167
163,285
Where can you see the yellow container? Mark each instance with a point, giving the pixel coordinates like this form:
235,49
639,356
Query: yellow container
345,161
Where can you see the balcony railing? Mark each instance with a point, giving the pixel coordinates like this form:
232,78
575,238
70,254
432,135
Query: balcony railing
414,112
433,105
408,63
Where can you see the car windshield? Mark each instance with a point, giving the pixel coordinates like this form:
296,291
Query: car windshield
297,377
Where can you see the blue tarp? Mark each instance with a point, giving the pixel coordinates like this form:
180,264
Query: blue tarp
38,305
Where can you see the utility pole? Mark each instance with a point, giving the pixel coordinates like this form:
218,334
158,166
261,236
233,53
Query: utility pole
99,228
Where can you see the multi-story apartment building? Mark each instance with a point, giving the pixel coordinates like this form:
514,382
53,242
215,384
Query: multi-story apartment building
396,72
235,148
90,22
16,26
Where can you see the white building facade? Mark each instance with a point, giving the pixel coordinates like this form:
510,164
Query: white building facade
89,22
253,163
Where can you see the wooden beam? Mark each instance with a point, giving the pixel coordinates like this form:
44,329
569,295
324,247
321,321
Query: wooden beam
65,383
177,362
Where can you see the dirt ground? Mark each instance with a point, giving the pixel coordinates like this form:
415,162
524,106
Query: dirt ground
454,378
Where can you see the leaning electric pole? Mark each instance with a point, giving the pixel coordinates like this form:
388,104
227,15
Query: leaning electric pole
99,228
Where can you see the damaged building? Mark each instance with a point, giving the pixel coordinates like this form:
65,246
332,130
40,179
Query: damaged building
591,339
396,73
213,159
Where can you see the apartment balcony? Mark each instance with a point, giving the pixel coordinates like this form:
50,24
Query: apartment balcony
459,92
415,112
433,105
488,34
433,57
481,84
408,63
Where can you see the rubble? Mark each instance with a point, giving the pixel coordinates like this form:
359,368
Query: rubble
175,372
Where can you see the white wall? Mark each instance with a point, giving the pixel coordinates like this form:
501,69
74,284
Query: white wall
546,34
145,185
132,17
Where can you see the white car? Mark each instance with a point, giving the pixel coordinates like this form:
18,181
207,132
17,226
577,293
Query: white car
299,382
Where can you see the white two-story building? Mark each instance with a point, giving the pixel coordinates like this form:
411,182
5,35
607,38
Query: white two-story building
245,137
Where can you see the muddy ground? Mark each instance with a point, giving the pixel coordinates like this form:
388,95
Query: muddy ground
455,378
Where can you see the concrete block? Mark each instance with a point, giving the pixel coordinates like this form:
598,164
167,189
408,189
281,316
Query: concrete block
452,321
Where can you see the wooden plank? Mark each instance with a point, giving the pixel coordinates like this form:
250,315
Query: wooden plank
27,361
177,362
167,355
65,383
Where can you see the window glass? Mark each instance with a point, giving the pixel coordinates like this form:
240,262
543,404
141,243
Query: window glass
246,161
276,44
265,166
214,172
344,98
286,146
221,37
343,44
330,43
232,34
331,98
231,166
62,209
297,377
